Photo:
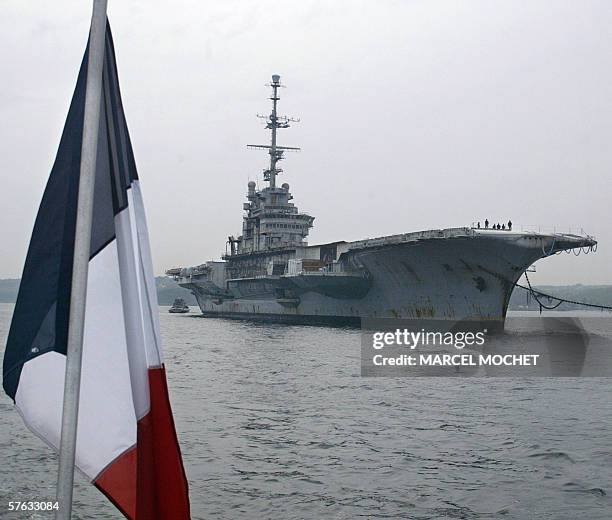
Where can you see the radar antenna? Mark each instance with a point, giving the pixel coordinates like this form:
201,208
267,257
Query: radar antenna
274,122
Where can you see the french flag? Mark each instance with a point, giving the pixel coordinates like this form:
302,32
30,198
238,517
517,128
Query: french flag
126,439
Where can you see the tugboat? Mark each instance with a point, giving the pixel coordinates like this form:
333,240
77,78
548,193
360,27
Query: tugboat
270,272
179,307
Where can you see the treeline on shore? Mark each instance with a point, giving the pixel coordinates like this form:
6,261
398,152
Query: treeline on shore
168,290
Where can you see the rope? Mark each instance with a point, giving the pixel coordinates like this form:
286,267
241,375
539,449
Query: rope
535,295
552,247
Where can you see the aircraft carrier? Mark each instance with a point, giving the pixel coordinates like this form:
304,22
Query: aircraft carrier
271,273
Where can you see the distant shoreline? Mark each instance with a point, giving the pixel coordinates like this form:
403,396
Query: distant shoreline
168,290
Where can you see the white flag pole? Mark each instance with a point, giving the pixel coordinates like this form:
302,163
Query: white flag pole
82,245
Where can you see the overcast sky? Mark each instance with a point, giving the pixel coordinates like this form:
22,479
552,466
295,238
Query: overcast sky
415,115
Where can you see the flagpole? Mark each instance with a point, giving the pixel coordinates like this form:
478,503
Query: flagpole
82,241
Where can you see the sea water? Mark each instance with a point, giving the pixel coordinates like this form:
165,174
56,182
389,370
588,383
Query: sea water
276,421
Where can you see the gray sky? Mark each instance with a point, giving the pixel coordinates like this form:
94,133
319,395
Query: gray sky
415,115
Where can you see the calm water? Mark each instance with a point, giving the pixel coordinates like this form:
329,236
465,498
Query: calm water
276,422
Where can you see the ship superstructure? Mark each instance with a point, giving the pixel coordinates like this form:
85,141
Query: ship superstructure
270,271
271,220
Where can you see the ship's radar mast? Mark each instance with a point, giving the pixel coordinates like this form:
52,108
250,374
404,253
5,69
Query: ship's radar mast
273,123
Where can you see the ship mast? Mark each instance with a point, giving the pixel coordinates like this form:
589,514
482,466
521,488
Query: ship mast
273,123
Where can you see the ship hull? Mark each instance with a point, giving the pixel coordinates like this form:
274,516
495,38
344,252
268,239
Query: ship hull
457,279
